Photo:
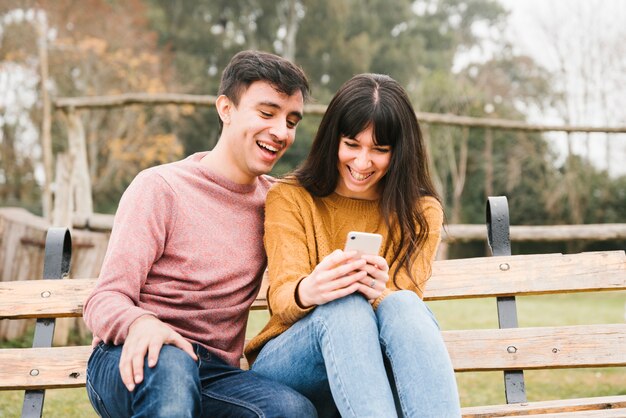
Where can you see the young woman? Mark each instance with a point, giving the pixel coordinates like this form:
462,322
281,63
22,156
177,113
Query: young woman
352,332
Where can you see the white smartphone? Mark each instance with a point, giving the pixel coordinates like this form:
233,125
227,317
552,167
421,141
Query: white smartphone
363,242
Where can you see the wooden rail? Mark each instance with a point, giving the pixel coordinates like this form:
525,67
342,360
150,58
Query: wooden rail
103,102
456,233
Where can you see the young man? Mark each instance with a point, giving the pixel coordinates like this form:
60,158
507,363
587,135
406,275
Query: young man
185,261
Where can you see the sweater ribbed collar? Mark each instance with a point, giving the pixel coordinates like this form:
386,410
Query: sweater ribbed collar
222,181
350,203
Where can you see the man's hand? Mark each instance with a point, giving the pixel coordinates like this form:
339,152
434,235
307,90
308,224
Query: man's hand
147,334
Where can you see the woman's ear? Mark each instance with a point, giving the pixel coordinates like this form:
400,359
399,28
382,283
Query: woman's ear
224,107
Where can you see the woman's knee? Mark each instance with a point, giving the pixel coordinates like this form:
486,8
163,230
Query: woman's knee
350,315
405,307
347,307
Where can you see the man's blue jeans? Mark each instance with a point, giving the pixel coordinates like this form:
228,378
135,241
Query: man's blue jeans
180,387
382,363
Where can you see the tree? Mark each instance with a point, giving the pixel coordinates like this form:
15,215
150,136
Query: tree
90,57
585,52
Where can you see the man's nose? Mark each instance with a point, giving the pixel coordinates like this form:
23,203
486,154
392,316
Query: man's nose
280,131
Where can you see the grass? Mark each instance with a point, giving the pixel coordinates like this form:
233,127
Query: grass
475,388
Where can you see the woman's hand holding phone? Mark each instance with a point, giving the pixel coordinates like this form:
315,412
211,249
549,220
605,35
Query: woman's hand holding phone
377,269
367,246
339,274
356,268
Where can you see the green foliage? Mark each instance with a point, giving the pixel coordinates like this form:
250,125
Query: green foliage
182,46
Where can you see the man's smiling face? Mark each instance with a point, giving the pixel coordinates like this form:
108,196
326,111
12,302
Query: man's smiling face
261,127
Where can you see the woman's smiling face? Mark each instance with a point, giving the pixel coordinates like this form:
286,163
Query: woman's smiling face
362,164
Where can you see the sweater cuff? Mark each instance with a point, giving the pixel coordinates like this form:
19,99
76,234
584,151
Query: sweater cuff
382,296
294,311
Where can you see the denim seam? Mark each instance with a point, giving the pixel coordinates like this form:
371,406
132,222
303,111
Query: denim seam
90,389
383,344
234,401
334,362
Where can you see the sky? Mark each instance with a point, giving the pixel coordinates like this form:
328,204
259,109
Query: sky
590,36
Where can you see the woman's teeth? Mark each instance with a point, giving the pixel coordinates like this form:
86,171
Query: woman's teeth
359,176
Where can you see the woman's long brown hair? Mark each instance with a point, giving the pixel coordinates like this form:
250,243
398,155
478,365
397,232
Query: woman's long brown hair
380,101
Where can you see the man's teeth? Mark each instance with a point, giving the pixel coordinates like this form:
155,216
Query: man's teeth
267,147
359,176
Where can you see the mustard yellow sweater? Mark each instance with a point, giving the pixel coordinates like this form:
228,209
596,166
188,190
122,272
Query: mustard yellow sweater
300,230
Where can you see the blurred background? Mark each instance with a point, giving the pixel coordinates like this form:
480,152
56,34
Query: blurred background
544,63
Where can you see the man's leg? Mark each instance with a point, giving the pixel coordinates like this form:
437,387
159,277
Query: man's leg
170,389
228,391
335,348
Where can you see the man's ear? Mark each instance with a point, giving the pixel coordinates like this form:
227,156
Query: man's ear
224,106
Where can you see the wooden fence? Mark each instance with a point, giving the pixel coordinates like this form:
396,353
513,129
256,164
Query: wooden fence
73,184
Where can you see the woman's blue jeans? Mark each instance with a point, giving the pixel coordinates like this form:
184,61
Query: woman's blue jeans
382,363
178,386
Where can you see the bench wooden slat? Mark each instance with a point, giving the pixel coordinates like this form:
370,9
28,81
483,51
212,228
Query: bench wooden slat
452,279
604,404
611,413
527,275
470,350
40,368
537,347
57,367
44,298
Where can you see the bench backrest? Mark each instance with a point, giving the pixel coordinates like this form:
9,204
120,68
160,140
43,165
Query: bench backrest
470,350
518,275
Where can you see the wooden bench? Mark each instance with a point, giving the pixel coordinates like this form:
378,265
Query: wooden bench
509,349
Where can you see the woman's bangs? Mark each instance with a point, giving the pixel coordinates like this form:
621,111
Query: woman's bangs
353,123
387,127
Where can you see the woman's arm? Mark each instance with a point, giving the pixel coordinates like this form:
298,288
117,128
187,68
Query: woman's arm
297,282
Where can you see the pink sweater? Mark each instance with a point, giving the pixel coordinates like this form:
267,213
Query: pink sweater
187,247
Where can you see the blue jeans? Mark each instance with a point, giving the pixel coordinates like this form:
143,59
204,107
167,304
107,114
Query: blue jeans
180,387
382,363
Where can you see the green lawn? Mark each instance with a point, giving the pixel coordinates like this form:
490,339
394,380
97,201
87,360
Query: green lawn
475,388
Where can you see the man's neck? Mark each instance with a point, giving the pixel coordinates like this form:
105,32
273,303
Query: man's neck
220,161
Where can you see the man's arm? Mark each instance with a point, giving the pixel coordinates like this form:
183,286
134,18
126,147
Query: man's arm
146,214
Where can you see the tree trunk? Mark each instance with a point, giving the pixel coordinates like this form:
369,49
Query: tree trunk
63,196
46,138
81,180
488,163
291,24
458,171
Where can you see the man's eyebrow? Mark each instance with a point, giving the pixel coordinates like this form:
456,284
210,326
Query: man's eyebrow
277,106
297,114
269,104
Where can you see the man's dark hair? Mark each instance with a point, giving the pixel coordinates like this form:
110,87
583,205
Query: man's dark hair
246,67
